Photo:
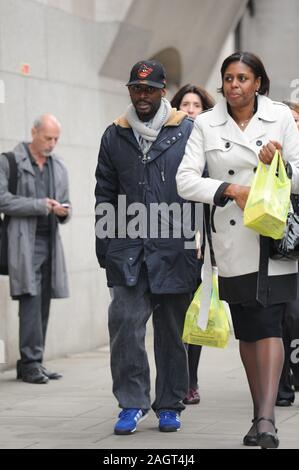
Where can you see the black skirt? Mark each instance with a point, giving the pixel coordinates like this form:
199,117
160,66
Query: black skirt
253,322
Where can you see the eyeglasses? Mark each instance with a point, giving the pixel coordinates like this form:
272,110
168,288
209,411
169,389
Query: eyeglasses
149,90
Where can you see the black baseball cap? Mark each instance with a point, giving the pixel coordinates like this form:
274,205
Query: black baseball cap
148,72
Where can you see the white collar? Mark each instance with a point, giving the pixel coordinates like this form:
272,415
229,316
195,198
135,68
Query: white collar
265,111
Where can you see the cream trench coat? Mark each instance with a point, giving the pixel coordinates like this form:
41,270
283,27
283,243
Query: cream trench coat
231,156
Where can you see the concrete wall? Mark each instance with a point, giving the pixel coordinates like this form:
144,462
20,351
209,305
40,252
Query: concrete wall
214,81
270,29
192,33
65,49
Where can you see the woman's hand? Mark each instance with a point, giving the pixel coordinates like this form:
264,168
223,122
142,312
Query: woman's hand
238,193
268,151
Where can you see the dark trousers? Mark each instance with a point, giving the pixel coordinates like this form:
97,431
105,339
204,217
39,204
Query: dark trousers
34,310
194,353
290,372
129,312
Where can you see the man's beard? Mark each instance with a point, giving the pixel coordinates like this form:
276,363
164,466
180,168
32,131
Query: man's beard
145,117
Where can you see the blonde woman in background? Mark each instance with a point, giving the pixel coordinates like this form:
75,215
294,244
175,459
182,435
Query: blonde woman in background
294,107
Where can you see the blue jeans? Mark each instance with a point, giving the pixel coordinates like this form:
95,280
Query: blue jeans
129,312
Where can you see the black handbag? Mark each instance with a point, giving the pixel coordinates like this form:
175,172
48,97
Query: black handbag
288,247
12,188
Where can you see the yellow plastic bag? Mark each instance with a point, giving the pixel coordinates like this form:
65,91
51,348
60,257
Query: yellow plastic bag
218,331
268,202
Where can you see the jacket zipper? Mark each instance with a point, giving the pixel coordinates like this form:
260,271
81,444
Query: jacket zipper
161,169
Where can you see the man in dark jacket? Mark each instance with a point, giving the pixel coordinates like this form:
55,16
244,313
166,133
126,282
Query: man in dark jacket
146,258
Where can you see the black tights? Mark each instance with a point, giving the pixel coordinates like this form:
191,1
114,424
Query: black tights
263,362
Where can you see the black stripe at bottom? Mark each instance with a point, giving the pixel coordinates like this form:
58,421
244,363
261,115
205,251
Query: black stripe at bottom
241,289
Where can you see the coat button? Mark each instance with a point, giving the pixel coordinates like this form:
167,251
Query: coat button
232,222
179,134
259,143
231,172
227,145
174,138
254,169
168,142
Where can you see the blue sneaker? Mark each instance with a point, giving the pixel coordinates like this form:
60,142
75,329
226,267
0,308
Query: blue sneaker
128,420
169,421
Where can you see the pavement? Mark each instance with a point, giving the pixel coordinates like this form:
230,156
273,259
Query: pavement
79,411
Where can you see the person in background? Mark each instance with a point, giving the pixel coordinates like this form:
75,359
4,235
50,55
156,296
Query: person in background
243,128
36,264
294,107
289,380
193,100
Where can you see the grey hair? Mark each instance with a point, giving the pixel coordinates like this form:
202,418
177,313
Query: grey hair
38,122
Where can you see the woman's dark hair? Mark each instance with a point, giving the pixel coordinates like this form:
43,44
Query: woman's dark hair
206,100
256,65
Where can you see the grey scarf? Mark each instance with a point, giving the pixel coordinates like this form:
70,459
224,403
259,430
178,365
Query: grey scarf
148,131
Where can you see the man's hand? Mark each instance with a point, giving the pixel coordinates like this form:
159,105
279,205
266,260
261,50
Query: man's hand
238,193
60,210
56,208
50,204
268,151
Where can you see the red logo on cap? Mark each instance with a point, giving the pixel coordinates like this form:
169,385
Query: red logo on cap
144,71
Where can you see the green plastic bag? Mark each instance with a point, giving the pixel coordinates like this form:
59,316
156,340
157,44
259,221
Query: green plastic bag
218,330
268,201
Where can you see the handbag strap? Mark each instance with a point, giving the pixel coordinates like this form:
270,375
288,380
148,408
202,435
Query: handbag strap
13,172
207,281
12,180
263,280
295,203
207,234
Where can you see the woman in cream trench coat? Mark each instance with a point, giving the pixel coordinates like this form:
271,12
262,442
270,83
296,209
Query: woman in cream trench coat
230,139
